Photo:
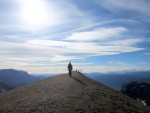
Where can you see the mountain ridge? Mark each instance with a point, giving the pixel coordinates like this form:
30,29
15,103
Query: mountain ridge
64,94
16,78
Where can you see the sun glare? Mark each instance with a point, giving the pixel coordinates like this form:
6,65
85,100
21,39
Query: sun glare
35,14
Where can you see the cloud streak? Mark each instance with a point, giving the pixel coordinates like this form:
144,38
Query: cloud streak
129,5
102,41
98,34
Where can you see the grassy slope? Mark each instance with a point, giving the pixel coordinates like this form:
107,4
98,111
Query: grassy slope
63,94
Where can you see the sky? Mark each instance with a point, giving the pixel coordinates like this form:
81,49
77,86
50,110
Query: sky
42,36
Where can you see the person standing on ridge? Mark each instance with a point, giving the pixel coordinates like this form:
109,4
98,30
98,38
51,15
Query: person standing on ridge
70,68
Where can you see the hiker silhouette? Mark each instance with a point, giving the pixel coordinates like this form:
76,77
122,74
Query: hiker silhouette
70,67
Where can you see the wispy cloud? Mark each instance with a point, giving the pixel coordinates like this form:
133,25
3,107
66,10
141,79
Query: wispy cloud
106,41
61,67
98,34
147,53
141,6
106,68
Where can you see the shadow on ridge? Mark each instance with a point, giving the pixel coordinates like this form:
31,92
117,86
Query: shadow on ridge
79,81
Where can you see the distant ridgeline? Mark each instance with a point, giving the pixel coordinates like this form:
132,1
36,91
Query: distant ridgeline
117,79
10,79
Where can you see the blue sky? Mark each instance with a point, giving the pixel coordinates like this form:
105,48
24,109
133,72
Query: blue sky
42,36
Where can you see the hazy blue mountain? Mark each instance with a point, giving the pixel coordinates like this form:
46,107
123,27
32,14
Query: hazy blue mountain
16,78
116,80
41,76
4,87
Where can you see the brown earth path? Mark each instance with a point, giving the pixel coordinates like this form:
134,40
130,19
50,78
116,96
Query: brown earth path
64,94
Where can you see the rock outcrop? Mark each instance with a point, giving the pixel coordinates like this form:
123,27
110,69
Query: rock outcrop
138,91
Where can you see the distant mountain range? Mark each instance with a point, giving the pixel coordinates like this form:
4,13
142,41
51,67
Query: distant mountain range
117,79
10,78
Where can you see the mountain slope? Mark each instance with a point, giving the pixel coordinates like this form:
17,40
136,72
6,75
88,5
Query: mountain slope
4,87
64,94
138,90
16,77
11,78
